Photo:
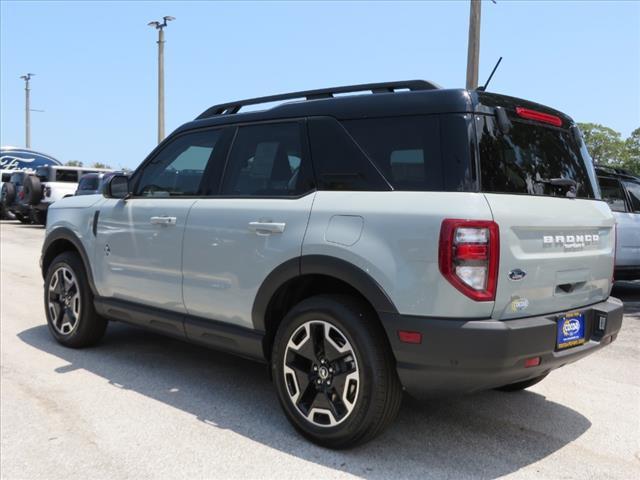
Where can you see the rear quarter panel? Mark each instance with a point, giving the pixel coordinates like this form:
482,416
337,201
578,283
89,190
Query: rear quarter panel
393,236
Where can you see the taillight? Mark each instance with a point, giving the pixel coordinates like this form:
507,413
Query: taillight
539,116
468,256
21,194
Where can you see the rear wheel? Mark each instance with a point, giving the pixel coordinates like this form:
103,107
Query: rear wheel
516,387
68,301
334,372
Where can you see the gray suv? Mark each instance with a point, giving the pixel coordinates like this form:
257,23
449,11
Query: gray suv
414,238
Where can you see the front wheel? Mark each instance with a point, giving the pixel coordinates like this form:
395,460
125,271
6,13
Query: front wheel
68,300
334,371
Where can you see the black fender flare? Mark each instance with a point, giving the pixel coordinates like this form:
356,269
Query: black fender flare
63,234
340,269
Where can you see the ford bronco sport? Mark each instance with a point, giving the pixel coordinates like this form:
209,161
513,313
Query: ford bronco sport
438,241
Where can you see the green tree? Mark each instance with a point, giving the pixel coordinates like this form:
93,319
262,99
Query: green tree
74,163
607,147
100,165
632,152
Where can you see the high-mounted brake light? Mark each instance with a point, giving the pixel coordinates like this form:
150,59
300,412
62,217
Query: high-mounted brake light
468,256
539,116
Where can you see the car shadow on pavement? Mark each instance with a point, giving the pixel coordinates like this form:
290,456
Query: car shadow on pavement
481,436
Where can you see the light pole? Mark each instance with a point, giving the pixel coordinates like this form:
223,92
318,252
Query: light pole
160,26
473,51
27,109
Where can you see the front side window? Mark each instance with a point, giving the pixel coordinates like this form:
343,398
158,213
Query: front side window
633,188
612,193
267,160
178,169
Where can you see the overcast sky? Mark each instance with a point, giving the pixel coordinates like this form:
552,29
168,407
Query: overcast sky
96,61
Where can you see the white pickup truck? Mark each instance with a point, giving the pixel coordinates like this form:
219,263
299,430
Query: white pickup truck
51,183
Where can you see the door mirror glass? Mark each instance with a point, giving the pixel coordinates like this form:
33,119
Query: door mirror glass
117,187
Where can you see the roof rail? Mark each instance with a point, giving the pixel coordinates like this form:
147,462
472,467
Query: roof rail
385,87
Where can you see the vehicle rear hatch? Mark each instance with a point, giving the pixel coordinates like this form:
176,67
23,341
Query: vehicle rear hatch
557,241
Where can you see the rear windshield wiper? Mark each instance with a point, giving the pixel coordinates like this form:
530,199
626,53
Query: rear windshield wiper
568,183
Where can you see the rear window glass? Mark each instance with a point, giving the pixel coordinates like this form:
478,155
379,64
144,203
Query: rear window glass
418,153
612,193
531,159
89,183
66,176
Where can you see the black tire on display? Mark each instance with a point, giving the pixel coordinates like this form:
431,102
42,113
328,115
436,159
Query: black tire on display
334,371
516,387
8,194
32,190
23,219
68,302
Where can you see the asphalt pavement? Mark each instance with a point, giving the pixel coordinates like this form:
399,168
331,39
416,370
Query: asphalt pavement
140,405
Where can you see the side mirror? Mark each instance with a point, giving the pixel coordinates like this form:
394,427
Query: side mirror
117,187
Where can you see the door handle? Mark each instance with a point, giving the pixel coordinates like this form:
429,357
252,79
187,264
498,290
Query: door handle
266,228
162,220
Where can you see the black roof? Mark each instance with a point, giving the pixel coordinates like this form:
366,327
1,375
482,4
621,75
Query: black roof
411,97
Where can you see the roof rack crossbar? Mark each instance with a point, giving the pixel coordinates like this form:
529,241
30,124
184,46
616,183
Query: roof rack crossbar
386,87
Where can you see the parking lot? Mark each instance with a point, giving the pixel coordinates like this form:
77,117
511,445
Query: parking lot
145,406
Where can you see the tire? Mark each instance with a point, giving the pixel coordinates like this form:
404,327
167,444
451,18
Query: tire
8,194
516,387
72,324
32,190
22,218
359,402
39,217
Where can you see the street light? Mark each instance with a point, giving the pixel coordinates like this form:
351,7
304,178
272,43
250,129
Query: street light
160,26
27,109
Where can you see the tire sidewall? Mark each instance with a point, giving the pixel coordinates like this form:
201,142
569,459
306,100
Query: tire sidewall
341,317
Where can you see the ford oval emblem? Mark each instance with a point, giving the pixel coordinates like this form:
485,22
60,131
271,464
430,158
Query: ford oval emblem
517,274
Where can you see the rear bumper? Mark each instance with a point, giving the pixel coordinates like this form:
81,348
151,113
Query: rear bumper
463,356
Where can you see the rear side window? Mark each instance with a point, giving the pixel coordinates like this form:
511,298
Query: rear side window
418,153
66,176
89,182
338,162
531,159
6,177
612,193
633,188
267,160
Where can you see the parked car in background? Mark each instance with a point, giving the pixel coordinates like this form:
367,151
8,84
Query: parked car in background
52,183
12,197
5,176
93,183
621,190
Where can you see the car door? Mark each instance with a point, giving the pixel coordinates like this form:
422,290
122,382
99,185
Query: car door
235,239
138,253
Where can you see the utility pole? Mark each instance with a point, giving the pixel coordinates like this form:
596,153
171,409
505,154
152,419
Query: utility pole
473,52
27,109
160,26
